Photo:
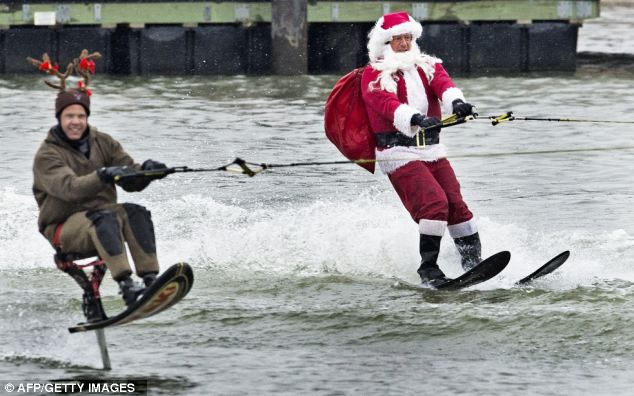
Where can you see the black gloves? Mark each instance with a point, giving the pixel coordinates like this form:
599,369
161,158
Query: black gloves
150,165
129,180
429,124
138,181
108,174
462,109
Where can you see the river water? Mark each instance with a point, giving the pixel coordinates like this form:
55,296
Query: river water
293,291
611,32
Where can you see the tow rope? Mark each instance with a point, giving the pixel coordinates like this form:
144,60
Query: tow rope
495,120
241,166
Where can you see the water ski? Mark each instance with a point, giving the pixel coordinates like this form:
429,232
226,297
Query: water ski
482,272
167,290
546,269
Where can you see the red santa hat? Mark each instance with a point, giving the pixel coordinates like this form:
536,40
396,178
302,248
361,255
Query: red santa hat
386,27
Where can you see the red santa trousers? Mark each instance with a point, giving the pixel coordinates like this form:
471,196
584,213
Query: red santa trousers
430,191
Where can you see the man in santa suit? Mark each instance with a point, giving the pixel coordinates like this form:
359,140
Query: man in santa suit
404,90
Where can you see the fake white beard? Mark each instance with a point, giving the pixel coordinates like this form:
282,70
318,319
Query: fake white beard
391,62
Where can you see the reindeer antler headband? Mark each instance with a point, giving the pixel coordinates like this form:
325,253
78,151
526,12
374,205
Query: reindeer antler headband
84,66
47,66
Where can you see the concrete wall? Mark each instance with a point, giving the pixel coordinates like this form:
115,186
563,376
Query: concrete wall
227,49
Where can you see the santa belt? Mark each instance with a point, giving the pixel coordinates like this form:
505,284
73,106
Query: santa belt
392,139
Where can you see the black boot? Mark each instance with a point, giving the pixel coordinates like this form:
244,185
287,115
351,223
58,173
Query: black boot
149,278
130,290
429,272
470,250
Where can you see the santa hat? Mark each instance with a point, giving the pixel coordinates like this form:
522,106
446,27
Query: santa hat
386,27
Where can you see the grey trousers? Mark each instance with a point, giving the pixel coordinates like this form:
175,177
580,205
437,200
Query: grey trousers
103,232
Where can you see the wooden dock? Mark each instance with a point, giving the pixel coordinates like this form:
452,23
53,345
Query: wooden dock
194,37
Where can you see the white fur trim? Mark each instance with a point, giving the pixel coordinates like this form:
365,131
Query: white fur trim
432,227
464,229
416,94
379,36
403,120
449,96
393,158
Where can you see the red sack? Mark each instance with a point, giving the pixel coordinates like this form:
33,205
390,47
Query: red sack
346,120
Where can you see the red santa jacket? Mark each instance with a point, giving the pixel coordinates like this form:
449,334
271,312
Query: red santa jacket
416,90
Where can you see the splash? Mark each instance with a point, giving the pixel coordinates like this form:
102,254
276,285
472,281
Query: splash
21,245
369,234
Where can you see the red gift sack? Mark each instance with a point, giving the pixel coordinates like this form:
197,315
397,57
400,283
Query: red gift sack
346,120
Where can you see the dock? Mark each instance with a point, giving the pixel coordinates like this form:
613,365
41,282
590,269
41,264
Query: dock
478,37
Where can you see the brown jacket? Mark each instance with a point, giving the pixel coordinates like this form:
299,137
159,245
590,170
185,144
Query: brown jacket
66,182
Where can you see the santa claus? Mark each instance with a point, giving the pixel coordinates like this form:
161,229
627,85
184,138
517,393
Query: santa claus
405,93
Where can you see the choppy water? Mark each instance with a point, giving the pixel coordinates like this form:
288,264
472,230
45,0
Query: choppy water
611,32
293,290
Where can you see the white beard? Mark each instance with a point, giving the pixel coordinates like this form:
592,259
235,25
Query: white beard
391,62
399,60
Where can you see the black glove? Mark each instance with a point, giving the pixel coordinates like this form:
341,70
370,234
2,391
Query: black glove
149,165
462,109
429,124
152,165
108,174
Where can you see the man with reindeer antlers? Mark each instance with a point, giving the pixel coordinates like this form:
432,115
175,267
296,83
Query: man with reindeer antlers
403,90
74,175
